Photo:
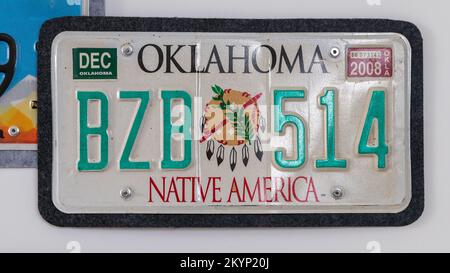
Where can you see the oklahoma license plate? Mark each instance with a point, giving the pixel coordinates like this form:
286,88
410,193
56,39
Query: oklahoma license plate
209,123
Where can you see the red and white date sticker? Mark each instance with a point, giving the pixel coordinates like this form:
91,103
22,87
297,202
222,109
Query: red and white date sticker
369,62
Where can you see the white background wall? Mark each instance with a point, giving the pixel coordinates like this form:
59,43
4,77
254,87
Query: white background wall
22,228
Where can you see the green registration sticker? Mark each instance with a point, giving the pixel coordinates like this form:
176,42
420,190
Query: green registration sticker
94,63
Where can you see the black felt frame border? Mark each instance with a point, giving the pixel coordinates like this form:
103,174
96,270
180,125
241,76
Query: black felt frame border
55,26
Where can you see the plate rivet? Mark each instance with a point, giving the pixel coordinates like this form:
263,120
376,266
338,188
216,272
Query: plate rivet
335,52
337,193
127,50
125,193
33,104
13,131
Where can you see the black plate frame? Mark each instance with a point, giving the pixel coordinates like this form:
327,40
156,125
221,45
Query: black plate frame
55,26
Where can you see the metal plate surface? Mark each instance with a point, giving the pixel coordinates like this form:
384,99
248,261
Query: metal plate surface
211,123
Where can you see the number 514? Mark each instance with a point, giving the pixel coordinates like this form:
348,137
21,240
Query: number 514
376,111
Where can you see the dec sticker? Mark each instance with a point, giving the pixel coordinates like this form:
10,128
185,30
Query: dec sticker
369,62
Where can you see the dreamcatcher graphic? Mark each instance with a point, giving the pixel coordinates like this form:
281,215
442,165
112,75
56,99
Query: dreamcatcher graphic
232,119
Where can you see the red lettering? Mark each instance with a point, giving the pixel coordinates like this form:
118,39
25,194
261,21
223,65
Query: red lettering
294,191
216,191
161,194
311,189
234,190
172,189
251,195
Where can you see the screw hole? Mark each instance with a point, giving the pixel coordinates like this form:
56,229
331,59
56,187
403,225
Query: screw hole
127,50
335,52
13,131
125,193
337,193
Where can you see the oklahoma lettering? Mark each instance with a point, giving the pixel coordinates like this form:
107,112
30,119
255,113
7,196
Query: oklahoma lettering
280,60
179,189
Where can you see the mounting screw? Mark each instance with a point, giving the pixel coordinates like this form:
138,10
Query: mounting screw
127,50
125,193
337,192
13,131
33,104
335,52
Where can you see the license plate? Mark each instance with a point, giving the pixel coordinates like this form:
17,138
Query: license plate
222,124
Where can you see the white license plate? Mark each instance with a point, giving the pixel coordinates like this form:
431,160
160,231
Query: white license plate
230,123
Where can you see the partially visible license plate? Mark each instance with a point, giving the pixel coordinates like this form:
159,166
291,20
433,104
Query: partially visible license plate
20,21
230,123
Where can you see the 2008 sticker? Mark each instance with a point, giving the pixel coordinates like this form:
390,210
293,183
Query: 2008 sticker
369,62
